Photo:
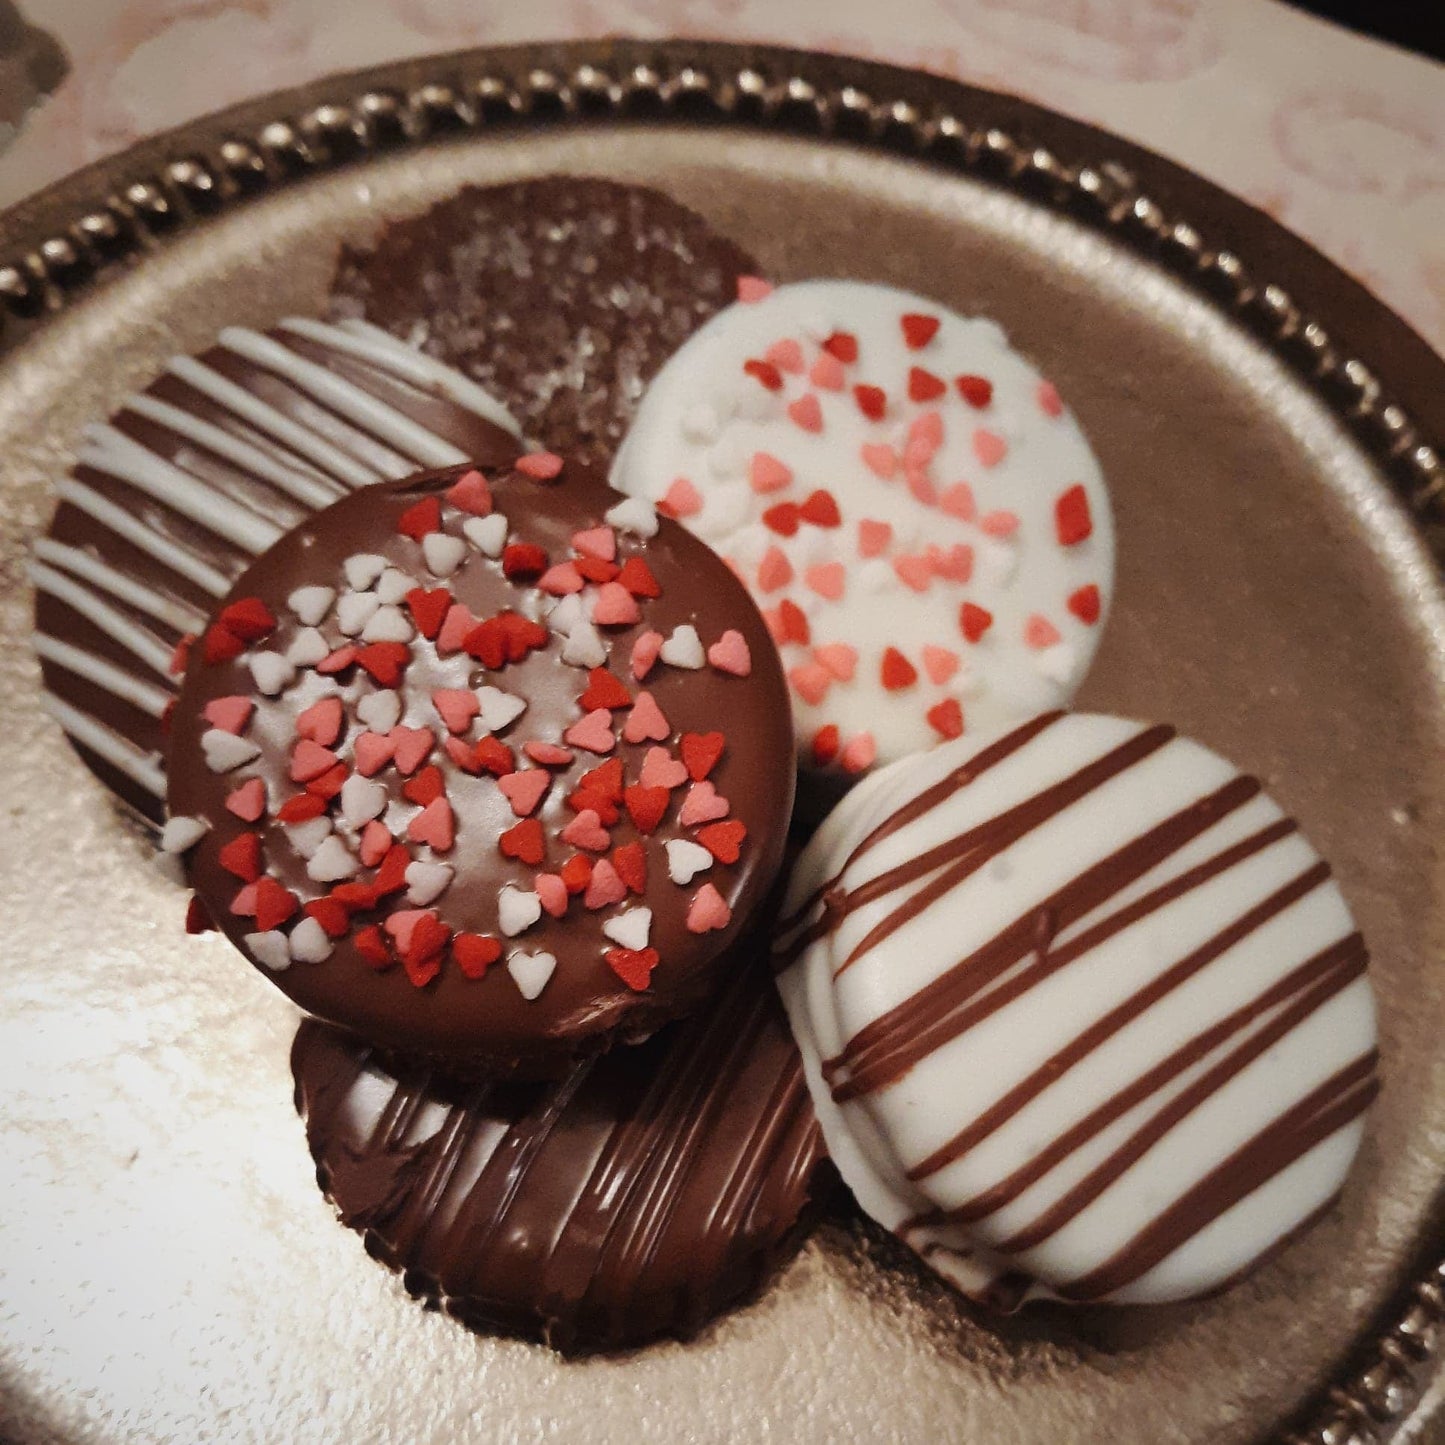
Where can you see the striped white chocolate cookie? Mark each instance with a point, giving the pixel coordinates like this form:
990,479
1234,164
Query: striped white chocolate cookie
916,512
1083,1014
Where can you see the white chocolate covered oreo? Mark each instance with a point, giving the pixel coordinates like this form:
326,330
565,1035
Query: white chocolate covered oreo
1083,1014
918,515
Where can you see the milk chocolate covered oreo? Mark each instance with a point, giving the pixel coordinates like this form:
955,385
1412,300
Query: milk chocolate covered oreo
1084,1015
563,295
489,765
637,1197
190,479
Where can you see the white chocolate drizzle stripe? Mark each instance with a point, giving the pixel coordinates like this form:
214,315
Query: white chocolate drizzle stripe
155,654
104,674
106,579
141,768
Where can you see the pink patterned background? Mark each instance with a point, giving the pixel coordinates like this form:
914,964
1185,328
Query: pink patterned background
1339,137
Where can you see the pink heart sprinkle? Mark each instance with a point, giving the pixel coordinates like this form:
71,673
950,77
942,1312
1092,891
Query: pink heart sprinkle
1039,632
1050,402
248,802
309,760
922,488
881,460
542,466
551,892
548,754
927,428
703,804
372,751
434,825
460,753
682,499
525,790
606,885
243,905
586,831
402,924
470,493
753,288
827,372
614,606
827,579
558,581
989,447
646,721
957,501
914,571
411,746
786,355
839,658
767,473
456,706
999,524
730,654
645,652
599,542
807,413
593,732
708,912
939,663
454,629
955,565
873,537
321,722
230,714
774,570
376,843
811,682
661,770
859,754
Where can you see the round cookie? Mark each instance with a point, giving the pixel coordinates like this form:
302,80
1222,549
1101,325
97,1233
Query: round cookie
488,767
916,512
1083,1015
563,295
189,479
638,1197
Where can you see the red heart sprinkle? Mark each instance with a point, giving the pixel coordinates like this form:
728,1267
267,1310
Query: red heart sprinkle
723,840
946,718
606,779
475,953
330,915
197,919
420,518
636,576
606,808
425,787
181,656
391,876
897,672
221,645
577,873
384,661
924,385
918,330
1085,604
274,904
300,808
248,802
249,618
974,621
493,756
975,390
354,896
700,752
329,784
633,965
523,559
370,944
821,509
487,643
429,609
524,842
630,863
321,722
843,345
825,744
794,622
604,690
646,806
782,519
594,569
766,373
470,493
1071,516
241,857
522,634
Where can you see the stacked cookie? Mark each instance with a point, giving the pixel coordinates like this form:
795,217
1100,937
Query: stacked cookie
491,768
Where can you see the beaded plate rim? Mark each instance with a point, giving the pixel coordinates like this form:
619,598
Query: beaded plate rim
60,243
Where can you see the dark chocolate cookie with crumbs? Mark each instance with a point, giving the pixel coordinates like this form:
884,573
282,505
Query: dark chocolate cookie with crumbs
563,296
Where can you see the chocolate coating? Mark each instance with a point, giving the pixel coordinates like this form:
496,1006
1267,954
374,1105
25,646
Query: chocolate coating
563,296
585,1005
638,1197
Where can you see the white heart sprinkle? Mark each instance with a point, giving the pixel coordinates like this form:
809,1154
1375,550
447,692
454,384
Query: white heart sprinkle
683,648
307,648
517,911
566,614
355,610
311,604
995,564
530,972
728,460
686,859
700,423
331,862
584,646
272,672
634,514
309,942
875,575
443,554
393,585
498,708
362,799
630,929
426,881
269,948
363,569
182,832
308,835
388,624
380,711
487,534
1056,663
225,751
728,507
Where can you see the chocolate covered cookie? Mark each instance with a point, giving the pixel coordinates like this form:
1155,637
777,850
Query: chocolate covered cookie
637,1197
489,765
1083,1013
176,493
562,295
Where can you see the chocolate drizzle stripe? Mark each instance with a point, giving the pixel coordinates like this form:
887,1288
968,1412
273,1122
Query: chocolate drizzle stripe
1336,1102
891,1045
